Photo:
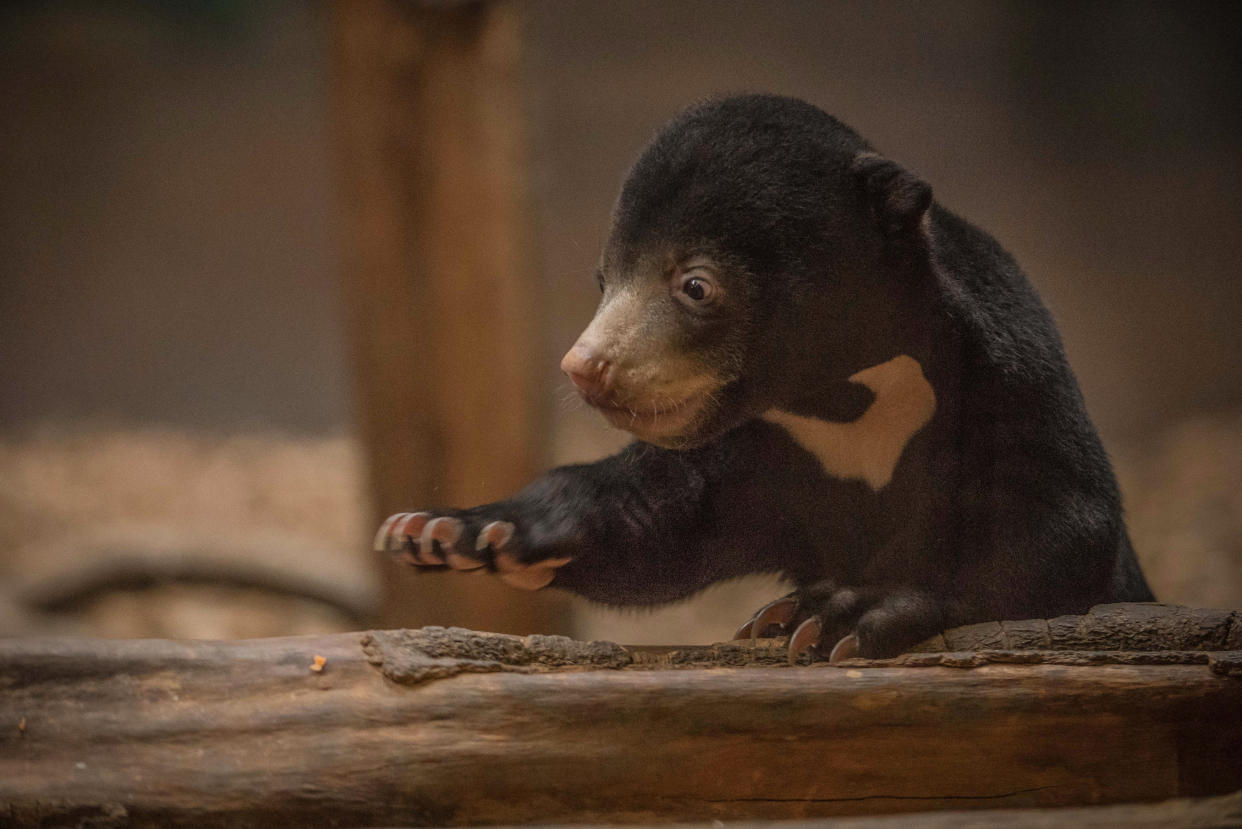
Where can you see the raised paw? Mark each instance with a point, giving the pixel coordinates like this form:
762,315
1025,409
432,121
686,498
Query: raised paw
426,541
466,544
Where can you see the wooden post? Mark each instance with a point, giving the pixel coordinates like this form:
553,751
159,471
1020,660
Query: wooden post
437,276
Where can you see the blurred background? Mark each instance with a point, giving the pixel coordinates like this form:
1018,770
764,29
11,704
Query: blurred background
271,270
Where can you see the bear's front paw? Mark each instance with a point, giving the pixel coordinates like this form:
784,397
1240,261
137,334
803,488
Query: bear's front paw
835,623
462,542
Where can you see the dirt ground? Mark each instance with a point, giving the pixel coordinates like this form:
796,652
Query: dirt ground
249,536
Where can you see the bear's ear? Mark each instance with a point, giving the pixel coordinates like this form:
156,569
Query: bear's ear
898,199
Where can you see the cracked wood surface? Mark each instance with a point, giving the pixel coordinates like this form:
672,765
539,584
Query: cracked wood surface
153,732
1114,634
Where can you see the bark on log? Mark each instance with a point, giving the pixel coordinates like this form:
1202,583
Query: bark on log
396,730
1184,813
1131,626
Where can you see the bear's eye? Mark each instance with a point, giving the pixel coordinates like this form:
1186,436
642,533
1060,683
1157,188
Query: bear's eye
696,288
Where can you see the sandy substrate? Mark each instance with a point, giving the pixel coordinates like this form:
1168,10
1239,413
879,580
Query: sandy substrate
252,508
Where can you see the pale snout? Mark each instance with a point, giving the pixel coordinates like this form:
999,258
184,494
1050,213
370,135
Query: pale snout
587,370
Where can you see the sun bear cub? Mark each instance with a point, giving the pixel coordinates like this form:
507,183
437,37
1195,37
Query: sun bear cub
830,377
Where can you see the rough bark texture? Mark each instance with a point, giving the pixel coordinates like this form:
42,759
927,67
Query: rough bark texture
401,728
1112,634
1199,813
1145,626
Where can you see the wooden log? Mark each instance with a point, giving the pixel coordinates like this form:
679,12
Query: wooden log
247,733
1184,813
437,277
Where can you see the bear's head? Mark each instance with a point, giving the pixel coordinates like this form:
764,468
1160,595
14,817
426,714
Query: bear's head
752,259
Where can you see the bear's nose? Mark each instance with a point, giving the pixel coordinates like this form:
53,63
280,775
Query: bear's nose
587,370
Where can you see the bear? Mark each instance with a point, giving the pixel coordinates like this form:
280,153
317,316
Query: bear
829,376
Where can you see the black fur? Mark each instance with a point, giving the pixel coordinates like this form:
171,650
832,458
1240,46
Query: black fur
836,259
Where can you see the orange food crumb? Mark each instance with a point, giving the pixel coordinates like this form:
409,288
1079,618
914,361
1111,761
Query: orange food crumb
21,725
318,664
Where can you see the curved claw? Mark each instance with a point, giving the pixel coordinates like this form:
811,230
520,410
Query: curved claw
778,612
383,538
441,533
804,639
495,535
746,631
399,536
847,648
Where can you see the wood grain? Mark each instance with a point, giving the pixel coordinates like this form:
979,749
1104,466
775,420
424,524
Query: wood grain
244,733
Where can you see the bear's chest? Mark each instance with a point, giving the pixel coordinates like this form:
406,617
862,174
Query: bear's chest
869,448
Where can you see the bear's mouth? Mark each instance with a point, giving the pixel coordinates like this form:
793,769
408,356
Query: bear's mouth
654,421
